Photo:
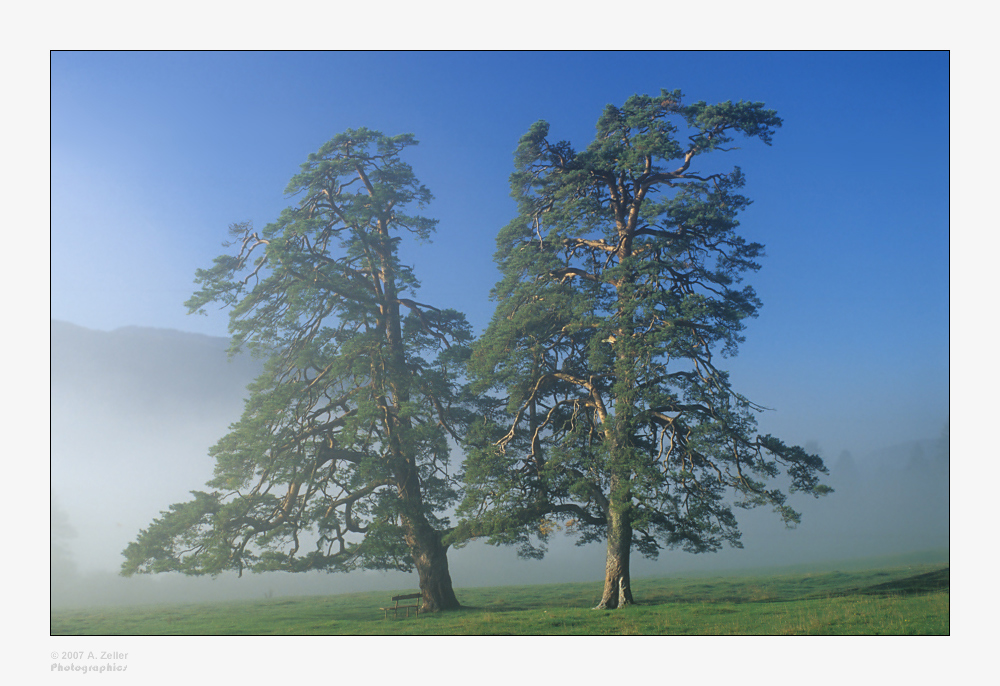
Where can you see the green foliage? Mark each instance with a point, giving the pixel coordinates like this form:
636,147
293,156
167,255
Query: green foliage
621,285
342,450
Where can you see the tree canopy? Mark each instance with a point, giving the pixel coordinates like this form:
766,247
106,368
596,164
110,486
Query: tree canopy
341,457
621,287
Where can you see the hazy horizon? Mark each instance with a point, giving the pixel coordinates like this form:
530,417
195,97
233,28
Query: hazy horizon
135,410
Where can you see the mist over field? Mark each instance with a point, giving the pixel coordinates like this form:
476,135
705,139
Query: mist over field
134,411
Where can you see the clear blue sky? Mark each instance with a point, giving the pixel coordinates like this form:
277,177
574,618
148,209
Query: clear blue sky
155,154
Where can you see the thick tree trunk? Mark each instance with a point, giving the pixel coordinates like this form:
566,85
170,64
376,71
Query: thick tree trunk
617,581
431,560
430,556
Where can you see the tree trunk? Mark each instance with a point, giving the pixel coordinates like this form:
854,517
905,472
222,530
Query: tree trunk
617,581
431,561
435,580
430,556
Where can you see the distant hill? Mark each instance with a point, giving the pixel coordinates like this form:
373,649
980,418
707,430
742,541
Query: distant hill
133,413
147,369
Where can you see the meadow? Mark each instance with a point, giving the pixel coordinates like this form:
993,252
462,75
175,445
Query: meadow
899,600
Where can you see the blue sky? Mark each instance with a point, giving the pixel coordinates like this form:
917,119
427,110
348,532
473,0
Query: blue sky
155,154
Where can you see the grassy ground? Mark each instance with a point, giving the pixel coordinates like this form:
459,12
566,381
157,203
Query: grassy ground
907,600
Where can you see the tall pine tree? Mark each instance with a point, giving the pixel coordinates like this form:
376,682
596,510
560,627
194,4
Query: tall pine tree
620,288
340,459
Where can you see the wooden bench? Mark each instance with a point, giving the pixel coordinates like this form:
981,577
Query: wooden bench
396,607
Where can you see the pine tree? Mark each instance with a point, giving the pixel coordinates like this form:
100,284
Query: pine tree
621,286
340,459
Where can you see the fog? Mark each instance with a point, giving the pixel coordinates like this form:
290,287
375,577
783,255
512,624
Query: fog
135,410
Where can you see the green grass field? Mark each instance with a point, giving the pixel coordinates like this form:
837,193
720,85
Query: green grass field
900,600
